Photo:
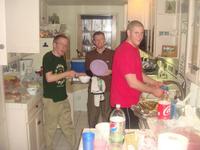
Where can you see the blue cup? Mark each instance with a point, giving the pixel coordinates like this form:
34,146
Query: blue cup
88,140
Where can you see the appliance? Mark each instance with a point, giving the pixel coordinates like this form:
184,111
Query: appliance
25,64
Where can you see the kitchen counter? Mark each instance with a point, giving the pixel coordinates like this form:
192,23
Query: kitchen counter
73,87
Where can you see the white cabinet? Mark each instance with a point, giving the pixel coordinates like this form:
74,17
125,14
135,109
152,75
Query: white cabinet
43,12
22,26
193,42
3,129
3,53
166,29
25,124
80,98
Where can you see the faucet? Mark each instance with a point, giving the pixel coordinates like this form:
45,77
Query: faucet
182,94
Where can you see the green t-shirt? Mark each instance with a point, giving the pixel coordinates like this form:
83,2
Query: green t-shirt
54,90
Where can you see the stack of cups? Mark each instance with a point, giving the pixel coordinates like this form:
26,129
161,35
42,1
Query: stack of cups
102,136
88,140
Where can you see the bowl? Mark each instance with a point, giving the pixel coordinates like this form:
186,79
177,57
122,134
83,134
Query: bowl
32,90
84,79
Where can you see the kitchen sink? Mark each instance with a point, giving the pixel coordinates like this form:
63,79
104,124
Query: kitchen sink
174,89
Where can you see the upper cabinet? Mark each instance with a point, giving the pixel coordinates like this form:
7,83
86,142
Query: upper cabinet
166,28
3,53
193,42
22,26
43,12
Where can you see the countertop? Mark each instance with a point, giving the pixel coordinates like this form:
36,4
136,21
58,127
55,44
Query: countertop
73,87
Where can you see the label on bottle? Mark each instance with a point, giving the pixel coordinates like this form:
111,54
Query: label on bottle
117,127
164,109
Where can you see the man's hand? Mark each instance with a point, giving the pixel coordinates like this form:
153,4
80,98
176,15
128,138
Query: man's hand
158,92
108,72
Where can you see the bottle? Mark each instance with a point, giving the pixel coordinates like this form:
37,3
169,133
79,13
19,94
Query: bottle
117,125
164,106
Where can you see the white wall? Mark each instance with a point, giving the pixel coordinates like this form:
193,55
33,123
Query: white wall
68,15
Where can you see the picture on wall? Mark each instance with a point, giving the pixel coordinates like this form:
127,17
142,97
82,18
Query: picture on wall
170,6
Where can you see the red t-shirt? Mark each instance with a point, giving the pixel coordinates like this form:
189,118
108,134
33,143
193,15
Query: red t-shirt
126,61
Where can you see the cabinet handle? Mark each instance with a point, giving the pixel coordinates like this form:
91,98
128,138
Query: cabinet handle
36,106
38,122
1,46
193,67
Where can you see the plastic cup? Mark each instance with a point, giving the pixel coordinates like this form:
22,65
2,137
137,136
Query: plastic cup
103,130
88,140
100,144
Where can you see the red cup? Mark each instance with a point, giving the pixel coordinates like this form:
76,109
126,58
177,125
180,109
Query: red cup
164,109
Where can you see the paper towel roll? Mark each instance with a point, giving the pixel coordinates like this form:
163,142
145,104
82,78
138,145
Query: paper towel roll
172,141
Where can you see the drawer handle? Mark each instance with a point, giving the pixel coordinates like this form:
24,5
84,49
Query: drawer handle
1,46
38,122
36,106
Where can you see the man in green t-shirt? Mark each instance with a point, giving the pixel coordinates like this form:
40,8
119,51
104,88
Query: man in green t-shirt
56,106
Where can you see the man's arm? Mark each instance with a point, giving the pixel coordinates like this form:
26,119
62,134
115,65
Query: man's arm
150,81
133,82
50,77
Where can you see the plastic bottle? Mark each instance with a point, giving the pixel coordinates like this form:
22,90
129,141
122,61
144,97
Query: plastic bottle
117,125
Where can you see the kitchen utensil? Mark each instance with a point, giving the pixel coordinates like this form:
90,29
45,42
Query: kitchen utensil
98,67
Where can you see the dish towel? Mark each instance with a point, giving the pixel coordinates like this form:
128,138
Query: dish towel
97,88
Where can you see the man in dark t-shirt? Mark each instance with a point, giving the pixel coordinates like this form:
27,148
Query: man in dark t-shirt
104,54
57,109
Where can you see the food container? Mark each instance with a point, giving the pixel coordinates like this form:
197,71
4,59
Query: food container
84,79
78,65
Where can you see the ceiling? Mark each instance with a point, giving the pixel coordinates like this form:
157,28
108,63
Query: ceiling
86,2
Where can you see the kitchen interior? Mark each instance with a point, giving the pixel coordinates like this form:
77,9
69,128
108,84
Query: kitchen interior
169,52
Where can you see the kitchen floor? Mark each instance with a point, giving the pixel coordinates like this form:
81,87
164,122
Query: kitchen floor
80,121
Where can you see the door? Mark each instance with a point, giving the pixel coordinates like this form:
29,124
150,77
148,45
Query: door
3,129
3,53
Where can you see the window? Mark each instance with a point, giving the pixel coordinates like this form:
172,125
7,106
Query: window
93,23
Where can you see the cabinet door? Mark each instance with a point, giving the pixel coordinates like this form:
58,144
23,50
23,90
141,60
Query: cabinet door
32,134
43,12
193,42
3,53
3,135
39,130
22,26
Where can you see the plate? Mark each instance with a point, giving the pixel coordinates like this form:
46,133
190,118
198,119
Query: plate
98,67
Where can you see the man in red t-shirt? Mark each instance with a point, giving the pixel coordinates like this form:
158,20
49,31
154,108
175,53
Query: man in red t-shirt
128,80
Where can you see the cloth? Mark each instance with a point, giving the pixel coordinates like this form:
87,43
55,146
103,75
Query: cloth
58,113
54,90
97,88
95,112
126,61
107,57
